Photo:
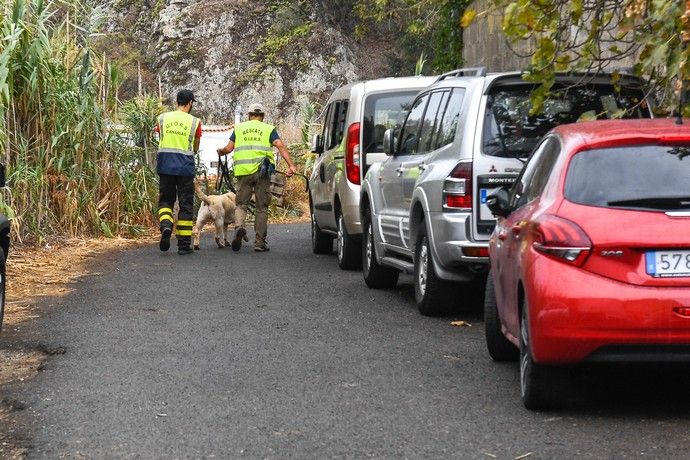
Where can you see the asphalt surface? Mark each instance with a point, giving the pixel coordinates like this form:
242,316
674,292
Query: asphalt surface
282,355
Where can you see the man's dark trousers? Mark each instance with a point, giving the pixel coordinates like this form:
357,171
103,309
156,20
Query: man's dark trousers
182,188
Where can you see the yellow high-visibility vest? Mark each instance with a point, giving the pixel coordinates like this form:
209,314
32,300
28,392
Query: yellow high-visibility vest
176,144
177,131
252,145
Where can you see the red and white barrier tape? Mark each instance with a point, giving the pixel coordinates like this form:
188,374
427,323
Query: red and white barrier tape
216,130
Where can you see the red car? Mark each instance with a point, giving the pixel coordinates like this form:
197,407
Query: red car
590,257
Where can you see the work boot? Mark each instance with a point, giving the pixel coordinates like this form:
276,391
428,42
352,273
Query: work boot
185,251
164,245
240,234
262,248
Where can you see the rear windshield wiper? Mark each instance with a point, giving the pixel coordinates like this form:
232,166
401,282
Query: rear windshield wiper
661,202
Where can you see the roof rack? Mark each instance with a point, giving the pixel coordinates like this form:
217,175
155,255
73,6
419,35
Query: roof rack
466,72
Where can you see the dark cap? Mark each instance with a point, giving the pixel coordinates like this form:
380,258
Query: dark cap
185,96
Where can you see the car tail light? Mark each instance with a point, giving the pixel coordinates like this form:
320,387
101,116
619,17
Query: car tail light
457,188
352,154
682,311
562,239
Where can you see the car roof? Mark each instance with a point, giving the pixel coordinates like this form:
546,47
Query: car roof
387,84
492,79
612,133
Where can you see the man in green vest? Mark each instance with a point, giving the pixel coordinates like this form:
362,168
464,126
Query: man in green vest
253,142
180,134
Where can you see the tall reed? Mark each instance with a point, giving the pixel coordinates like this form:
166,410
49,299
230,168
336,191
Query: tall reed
71,171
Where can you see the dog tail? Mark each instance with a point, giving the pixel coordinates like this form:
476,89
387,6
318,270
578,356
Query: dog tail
201,195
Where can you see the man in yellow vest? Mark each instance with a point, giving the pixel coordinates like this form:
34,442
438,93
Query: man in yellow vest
180,134
253,143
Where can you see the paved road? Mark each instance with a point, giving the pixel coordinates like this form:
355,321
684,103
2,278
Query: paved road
275,355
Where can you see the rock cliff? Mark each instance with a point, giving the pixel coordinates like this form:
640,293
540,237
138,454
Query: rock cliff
276,52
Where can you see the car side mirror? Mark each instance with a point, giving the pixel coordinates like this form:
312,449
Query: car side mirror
498,202
316,146
388,142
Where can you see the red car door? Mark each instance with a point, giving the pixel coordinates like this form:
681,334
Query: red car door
511,231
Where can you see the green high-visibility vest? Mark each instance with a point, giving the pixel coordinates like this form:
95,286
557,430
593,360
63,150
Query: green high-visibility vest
177,131
252,145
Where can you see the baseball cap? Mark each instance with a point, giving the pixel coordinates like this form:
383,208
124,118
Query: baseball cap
184,96
256,109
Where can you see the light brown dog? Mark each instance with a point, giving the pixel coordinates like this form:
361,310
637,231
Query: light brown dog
218,209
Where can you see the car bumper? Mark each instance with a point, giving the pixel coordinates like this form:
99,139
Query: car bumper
451,240
579,316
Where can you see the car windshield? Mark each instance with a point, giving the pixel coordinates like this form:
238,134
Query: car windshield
510,131
382,112
653,177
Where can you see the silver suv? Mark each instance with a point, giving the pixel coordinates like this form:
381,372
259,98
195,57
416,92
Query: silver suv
424,210
356,117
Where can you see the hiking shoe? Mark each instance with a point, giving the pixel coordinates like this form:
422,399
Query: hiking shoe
164,245
240,233
185,251
263,248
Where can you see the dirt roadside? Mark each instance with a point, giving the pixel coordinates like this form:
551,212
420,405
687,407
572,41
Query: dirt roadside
33,275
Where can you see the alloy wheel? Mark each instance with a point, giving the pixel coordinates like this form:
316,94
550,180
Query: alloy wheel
339,240
313,230
524,354
423,266
369,249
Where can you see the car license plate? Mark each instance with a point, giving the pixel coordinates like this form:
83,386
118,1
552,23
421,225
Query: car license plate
668,263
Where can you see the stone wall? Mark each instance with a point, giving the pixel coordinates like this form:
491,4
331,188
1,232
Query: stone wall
485,45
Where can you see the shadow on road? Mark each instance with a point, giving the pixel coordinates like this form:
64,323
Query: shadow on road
643,390
469,305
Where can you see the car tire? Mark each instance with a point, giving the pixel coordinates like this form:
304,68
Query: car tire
3,283
376,276
321,243
349,249
500,348
538,384
431,293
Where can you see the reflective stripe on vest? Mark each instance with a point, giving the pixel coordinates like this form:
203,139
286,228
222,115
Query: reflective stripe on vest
252,145
177,130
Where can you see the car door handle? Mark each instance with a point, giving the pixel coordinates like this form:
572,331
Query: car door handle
400,171
422,167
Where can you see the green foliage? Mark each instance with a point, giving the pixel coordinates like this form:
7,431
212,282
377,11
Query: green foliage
431,27
71,172
576,35
419,67
273,45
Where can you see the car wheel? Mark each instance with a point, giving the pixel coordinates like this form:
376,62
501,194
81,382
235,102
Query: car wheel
500,348
321,243
2,286
431,293
537,382
349,248
375,276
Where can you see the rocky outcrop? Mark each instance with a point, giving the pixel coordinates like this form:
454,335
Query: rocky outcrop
233,53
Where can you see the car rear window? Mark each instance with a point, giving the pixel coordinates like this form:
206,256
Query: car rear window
382,112
509,130
655,177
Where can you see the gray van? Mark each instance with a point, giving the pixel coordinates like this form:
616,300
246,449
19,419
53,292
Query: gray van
424,209
356,118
